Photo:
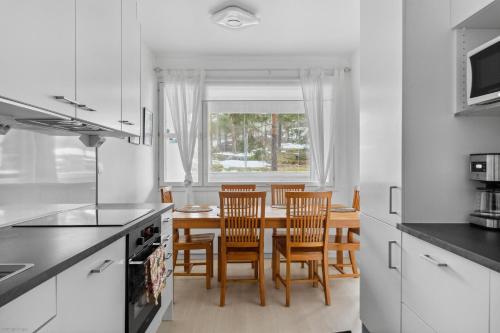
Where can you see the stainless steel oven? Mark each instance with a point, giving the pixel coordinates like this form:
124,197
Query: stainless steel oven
141,243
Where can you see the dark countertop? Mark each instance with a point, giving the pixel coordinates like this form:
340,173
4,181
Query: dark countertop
53,250
477,244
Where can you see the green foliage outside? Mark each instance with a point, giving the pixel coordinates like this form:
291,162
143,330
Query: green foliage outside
258,142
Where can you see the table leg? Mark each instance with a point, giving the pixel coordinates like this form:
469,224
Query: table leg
187,255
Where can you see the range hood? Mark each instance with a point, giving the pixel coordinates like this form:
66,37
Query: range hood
15,114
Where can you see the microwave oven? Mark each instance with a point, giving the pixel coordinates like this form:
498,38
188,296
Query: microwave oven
483,73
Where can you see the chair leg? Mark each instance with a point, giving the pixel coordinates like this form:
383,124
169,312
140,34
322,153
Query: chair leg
223,281
273,259
208,268
187,255
276,268
255,269
310,270
352,258
175,260
315,273
288,282
302,264
219,259
326,282
262,290
211,256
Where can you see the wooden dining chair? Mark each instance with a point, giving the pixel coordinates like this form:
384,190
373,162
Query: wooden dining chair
306,239
238,187
242,218
278,199
188,242
340,243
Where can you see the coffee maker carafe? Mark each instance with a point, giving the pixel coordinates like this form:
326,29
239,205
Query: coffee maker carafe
485,168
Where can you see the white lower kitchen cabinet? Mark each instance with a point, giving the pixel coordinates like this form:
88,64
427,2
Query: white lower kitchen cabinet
494,302
411,323
30,311
380,264
448,292
91,294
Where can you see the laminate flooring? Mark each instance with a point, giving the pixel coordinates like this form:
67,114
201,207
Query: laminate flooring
197,309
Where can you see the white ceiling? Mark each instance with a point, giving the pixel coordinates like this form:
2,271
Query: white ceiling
288,27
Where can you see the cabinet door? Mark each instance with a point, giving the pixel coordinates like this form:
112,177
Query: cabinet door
380,264
37,60
93,301
98,61
131,68
463,9
31,310
381,108
444,289
411,323
495,302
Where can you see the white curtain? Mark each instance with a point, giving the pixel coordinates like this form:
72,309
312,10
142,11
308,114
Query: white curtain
184,92
333,128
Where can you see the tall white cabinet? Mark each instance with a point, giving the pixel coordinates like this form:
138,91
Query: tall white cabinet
381,101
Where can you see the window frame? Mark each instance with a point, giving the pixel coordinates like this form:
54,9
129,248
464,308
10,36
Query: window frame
203,154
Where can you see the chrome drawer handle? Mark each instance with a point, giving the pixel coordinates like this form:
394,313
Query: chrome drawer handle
70,101
390,265
391,211
102,267
125,122
433,261
86,108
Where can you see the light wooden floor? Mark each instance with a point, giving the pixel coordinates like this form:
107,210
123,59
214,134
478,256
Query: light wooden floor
197,309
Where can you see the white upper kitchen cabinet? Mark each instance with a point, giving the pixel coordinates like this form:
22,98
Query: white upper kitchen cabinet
380,264
131,68
37,57
381,108
98,61
463,9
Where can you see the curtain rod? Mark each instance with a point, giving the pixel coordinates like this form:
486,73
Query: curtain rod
158,69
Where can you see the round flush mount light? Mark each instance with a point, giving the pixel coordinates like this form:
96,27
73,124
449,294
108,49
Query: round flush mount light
235,17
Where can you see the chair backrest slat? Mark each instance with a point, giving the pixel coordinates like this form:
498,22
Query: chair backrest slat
307,218
355,200
242,216
238,187
278,192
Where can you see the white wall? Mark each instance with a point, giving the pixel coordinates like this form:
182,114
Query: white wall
436,144
128,173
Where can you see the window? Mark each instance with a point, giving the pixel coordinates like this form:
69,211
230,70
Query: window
249,132
257,140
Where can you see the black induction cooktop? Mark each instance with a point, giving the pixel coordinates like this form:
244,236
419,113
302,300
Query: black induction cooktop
90,216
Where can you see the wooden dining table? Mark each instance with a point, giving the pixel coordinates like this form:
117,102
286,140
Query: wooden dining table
275,218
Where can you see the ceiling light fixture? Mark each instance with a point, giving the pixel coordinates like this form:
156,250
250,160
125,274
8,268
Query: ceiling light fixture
235,17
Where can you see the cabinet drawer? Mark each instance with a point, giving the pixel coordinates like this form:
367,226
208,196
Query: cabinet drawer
30,311
91,293
444,289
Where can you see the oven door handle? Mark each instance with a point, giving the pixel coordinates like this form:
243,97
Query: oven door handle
135,262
